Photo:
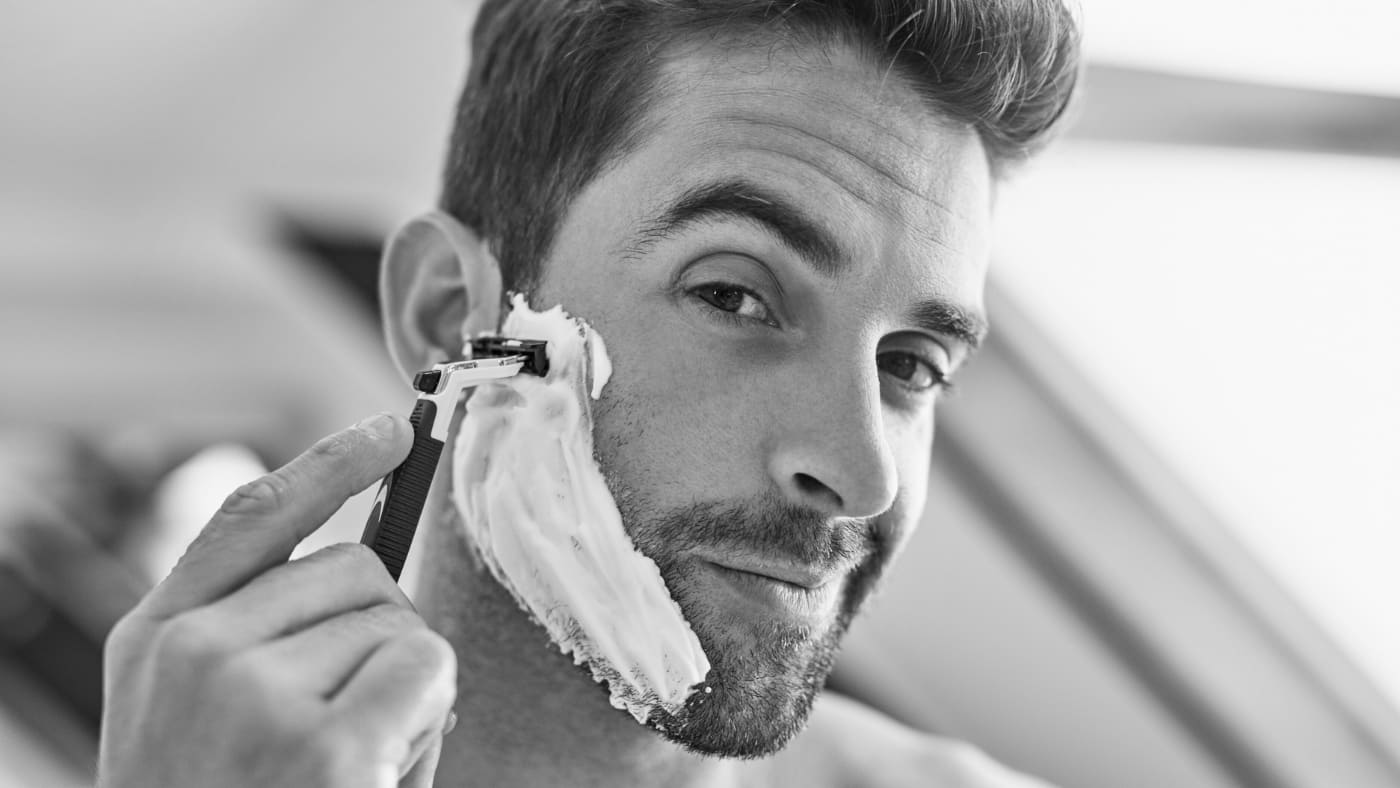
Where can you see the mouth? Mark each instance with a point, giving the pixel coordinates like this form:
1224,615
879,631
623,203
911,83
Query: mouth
796,594
801,578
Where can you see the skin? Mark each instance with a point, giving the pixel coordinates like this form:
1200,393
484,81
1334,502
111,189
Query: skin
746,380
787,405
242,668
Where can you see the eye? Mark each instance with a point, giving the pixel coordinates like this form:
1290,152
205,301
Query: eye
911,371
734,302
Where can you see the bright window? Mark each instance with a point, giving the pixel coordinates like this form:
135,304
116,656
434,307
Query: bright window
1242,310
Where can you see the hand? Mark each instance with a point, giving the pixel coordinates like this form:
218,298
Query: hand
243,668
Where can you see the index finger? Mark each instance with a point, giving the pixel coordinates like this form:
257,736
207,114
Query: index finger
260,524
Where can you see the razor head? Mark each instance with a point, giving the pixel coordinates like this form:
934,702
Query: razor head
536,361
492,358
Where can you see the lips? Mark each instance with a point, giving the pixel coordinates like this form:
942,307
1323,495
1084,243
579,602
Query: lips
794,594
805,578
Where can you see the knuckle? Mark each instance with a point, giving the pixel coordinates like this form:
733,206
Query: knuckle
119,637
350,569
252,674
434,654
442,652
334,754
336,449
264,495
351,552
353,557
390,618
323,755
126,639
192,638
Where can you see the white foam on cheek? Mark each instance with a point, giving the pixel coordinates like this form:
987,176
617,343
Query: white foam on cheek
535,504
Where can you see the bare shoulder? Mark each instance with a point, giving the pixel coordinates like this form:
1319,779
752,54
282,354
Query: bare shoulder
848,744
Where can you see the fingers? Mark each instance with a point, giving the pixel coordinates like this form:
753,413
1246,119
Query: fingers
297,595
402,693
322,659
262,521
420,775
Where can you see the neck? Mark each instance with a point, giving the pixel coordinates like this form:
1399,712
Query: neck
526,714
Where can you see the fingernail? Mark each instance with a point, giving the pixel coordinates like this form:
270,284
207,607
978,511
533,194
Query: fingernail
450,723
381,425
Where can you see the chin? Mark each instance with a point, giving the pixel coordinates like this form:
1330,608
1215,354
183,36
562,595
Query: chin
763,681
752,705
768,658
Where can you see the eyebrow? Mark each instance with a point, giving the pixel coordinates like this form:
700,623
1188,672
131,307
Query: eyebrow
738,199
939,316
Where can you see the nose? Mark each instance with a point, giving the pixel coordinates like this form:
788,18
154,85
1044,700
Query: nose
829,450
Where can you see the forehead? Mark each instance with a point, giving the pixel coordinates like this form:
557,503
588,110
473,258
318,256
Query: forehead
852,142
831,101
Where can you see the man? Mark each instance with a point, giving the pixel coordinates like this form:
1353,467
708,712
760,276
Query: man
776,214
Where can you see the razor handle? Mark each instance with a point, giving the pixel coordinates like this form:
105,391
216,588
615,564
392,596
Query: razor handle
399,504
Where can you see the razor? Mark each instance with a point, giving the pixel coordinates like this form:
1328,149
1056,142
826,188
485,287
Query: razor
399,504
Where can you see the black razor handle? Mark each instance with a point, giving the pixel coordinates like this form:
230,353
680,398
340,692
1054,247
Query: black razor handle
399,504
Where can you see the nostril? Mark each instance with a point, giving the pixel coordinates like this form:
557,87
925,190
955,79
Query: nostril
811,487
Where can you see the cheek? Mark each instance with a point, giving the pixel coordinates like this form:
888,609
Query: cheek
645,440
913,457
617,425
674,423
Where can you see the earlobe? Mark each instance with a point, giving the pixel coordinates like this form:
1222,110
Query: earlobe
439,285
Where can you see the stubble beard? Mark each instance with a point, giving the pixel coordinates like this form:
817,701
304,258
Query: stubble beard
762,680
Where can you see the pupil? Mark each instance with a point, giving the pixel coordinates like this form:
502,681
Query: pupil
901,365
729,299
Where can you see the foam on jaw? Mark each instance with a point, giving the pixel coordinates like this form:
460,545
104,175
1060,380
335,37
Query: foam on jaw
534,502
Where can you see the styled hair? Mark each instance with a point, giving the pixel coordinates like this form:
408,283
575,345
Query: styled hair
559,88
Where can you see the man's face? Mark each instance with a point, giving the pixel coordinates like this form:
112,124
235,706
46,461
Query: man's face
783,270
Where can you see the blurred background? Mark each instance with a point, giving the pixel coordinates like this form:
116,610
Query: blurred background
1163,525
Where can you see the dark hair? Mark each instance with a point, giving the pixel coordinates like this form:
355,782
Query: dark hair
557,88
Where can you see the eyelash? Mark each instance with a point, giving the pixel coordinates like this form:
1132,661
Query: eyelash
724,315
941,384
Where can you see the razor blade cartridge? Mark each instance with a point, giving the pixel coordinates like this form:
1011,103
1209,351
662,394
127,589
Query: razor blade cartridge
399,504
536,360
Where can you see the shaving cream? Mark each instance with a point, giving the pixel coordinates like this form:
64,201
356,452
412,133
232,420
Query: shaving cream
534,502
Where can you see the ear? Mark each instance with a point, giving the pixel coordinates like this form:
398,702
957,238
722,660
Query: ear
439,286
